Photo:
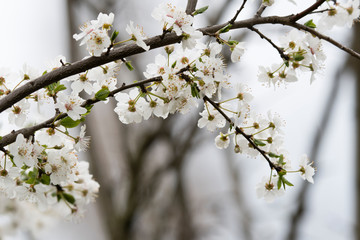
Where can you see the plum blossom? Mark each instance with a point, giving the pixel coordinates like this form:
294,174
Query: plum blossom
307,171
70,105
237,51
137,35
268,190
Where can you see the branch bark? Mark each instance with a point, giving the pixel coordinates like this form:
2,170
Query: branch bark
154,42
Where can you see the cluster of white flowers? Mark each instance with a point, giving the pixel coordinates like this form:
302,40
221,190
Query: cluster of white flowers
47,172
185,75
95,34
44,168
304,53
175,19
339,14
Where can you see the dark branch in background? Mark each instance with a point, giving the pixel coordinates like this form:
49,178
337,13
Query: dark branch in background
281,52
154,42
191,6
314,155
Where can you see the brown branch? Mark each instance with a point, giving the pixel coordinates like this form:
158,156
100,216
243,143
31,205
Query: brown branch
191,6
260,11
239,131
310,9
281,52
11,137
237,12
154,42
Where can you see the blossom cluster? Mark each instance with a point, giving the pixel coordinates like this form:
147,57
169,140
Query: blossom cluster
304,53
43,168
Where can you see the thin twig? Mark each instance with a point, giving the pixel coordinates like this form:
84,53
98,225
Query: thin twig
154,42
306,11
281,52
260,11
239,131
237,12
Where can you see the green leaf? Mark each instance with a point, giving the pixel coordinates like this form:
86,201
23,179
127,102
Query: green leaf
102,94
68,122
200,10
310,24
88,108
279,183
1,137
298,57
114,35
129,66
233,42
259,143
273,155
173,65
225,29
45,179
285,181
59,88
69,198
195,91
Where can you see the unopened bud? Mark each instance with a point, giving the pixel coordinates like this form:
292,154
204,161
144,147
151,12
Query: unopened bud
169,49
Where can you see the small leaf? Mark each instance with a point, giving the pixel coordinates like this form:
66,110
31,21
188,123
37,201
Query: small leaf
173,65
310,24
279,183
273,155
195,91
285,181
114,35
225,29
129,66
45,179
298,57
59,88
102,94
69,198
259,143
88,108
200,10
68,122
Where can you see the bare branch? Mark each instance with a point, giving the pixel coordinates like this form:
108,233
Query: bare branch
154,42
191,6
239,131
237,12
307,11
281,52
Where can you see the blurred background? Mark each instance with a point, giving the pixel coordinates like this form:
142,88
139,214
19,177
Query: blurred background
165,179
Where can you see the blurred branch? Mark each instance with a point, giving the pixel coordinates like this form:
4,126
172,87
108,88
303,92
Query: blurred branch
298,215
243,209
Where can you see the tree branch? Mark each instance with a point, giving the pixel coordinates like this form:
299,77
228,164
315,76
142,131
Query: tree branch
154,42
239,131
191,6
307,11
11,137
281,52
238,12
